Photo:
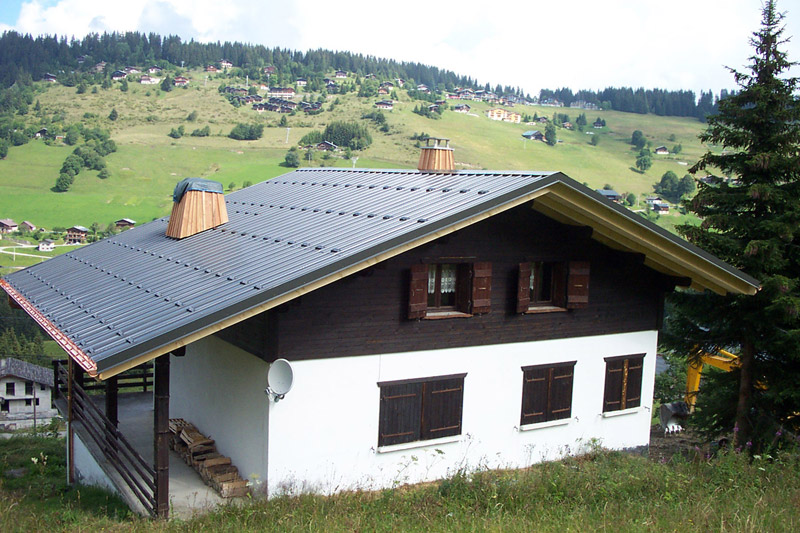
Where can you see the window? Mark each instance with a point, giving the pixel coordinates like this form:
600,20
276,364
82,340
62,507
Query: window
449,289
28,388
546,392
28,402
42,387
552,285
623,382
3,405
10,389
422,409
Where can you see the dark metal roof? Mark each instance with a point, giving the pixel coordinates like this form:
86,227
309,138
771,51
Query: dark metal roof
139,291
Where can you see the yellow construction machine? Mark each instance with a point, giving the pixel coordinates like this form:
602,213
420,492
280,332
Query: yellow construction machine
673,414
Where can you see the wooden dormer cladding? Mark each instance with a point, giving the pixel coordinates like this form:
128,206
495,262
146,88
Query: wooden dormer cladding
436,156
198,205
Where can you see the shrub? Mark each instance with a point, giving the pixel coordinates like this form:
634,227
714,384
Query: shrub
244,132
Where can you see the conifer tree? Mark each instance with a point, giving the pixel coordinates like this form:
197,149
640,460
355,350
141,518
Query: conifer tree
751,219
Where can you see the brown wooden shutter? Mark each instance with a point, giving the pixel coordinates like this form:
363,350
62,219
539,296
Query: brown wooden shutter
633,388
418,292
561,392
524,288
464,274
612,398
441,408
400,411
578,285
534,395
481,288
559,284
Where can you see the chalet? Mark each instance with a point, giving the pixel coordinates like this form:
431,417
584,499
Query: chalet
462,108
212,68
660,207
340,74
472,320
383,91
466,94
385,104
597,124
370,76
388,85
124,223
155,70
566,125
27,226
118,75
326,146
225,64
41,133
81,59
100,67
423,88
25,394
148,80
534,135
433,107
302,82
610,194
662,150
76,235
8,226
281,92
504,115
49,78
132,70
269,69
400,82
180,81
47,245
542,120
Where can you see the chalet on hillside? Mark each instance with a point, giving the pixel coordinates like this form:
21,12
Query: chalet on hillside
225,64
118,75
340,74
132,70
76,235
662,150
462,108
149,80
155,70
467,316
8,226
27,226
610,194
50,78
124,223
534,135
47,245
387,105
180,81
212,69
301,82
25,394
326,146
281,92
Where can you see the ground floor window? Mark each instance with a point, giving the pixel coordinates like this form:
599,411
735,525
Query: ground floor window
420,409
547,392
623,388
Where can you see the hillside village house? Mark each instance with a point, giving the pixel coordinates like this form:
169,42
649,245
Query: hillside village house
431,320
124,223
47,245
25,394
662,150
504,115
76,235
180,81
8,226
27,226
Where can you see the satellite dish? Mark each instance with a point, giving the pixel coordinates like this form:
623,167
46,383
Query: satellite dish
279,379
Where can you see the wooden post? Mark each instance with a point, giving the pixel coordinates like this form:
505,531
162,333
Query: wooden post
112,409
161,435
70,428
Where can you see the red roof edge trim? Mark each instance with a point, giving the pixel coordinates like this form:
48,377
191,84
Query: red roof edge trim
70,347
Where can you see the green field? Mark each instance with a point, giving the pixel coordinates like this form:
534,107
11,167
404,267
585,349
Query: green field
148,163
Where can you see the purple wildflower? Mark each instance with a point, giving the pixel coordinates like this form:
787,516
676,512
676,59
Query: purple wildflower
748,443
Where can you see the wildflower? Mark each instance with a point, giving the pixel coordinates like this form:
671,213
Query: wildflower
748,443
736,428
778,433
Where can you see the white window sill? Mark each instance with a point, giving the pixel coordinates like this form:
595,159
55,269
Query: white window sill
438,315
534,309
418,444
623,412
548,424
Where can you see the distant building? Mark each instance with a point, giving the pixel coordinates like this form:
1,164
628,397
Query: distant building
76,235
124,223
662,150
25,391
8,226
47,245
27,226
610,194
534,135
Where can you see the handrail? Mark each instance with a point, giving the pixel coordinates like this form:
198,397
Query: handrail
137,473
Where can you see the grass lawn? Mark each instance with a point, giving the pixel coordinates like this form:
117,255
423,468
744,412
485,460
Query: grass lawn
597,492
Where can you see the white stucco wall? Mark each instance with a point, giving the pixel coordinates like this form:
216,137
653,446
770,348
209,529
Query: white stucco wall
324,433
220,389
87,470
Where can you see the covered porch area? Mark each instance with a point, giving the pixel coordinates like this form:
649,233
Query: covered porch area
119,437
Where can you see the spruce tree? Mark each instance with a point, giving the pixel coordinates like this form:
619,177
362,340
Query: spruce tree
751,219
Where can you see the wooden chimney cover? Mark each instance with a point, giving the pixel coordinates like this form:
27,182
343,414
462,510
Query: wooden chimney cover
198,205
436,157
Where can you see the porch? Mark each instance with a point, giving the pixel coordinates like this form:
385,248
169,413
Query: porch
126,451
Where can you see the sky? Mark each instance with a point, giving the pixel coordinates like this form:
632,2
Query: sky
532,44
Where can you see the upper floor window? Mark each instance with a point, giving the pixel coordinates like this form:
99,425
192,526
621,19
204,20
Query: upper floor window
443,289
552,286
28,388
10,389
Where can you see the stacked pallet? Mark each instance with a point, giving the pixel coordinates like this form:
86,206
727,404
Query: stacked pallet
199,452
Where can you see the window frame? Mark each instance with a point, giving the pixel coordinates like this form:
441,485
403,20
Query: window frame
11,389
426,409
568,287
472,290
29,387
532,411
623,382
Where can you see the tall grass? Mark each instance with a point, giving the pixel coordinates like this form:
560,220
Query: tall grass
595,492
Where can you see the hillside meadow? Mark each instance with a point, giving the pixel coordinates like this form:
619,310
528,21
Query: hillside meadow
148,162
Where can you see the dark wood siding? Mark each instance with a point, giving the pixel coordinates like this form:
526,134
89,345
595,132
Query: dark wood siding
368,312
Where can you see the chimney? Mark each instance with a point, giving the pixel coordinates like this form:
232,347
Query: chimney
437,157
198,205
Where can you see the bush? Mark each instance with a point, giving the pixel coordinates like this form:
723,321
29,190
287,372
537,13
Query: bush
64,182
113,115
244,132
202,132
292,159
